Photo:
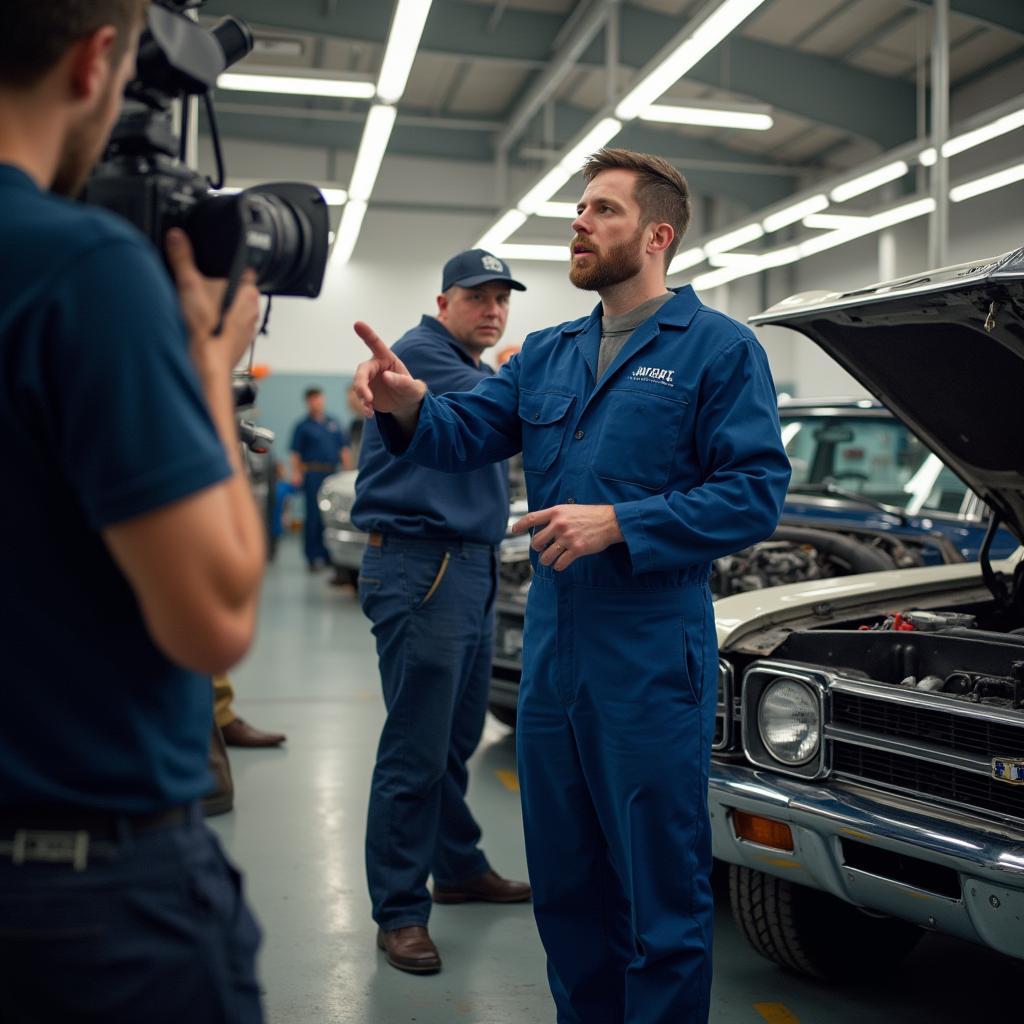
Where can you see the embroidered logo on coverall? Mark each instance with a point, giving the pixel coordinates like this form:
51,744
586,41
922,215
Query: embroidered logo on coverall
655,374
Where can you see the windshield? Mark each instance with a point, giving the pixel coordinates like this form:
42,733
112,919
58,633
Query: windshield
878,458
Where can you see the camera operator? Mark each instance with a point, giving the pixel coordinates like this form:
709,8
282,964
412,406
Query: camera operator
130,568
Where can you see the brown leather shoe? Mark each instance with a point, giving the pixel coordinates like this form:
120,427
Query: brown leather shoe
410,949
240,733
489,887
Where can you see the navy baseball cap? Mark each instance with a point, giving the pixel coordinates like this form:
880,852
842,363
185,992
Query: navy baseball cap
476,266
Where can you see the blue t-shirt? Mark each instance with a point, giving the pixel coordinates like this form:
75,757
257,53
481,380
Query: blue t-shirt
103,419
319,440
402,498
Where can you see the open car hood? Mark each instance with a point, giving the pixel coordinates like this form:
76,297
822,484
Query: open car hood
944,351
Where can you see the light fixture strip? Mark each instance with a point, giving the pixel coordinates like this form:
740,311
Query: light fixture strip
791,214
706,116
372,146
293,85
685,55
871,180
403,42
348,232
513,251
508,224
987,183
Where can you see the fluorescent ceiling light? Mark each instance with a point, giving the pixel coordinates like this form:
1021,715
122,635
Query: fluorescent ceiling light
713,118
832,221
897,215
791,214
507,225
563,211
292,85
685,260
727,16
374,142
733,259
554,253
332,196
403,42
348,232
715,278
998,179
600,135
741,236
866,182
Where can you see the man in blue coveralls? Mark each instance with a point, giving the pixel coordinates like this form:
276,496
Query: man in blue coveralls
319,445
428,584
130,571
651,446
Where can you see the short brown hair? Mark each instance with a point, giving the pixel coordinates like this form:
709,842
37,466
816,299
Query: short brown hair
661,191
37,33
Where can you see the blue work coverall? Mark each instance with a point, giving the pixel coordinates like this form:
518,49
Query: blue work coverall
617,702
318,444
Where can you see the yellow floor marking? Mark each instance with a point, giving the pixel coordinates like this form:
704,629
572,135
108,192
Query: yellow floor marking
776,1013
508,779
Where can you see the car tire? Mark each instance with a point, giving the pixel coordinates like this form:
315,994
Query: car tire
507,716
813,932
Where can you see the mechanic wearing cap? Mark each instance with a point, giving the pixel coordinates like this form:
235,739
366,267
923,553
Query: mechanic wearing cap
428,583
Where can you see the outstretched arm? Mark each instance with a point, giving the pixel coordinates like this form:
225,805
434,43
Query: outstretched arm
455,432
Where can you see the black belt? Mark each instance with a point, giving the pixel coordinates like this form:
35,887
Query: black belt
70,835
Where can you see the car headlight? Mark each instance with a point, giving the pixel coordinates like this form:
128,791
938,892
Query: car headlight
789,721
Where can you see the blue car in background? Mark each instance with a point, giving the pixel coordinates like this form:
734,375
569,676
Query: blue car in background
866,495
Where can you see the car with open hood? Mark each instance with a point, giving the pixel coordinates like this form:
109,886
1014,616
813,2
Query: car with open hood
867,779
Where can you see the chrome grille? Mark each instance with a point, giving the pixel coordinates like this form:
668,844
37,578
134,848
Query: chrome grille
924,744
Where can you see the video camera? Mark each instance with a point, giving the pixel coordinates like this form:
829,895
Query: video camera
279,230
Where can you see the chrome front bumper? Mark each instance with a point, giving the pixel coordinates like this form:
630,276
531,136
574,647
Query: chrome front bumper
345,547
989,863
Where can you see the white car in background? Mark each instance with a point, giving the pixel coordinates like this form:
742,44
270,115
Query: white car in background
867,779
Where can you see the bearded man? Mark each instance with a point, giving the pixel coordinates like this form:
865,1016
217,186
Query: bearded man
651,446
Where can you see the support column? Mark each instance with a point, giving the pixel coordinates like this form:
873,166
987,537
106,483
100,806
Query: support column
938,240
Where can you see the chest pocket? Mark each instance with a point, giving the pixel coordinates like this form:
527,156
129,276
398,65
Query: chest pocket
544,416
639,437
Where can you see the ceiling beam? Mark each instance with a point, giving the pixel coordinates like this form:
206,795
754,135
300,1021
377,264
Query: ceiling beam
819,89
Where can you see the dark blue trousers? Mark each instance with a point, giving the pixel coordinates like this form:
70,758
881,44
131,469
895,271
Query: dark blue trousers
432,609
159,932
616,717
313,527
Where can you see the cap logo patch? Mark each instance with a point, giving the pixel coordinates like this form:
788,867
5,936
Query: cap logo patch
490,263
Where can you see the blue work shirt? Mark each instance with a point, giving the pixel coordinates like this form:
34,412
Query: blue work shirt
319,441
410,500
681,436
103,420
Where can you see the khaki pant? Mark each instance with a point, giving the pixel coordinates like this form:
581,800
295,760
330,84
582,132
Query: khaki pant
223,697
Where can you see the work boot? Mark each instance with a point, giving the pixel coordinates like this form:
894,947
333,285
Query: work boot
410,949
221,798
489,887
239,733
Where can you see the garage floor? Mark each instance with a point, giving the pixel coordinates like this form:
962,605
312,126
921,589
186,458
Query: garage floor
297,832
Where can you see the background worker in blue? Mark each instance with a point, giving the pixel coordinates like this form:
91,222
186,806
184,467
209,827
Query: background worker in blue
651,446
428,584
319,446
131,569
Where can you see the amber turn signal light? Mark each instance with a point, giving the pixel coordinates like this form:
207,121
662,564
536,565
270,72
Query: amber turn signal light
762,831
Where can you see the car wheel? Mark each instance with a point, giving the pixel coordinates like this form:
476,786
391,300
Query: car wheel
813,932
507,716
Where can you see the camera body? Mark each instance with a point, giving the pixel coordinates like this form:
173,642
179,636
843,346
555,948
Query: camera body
280,231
